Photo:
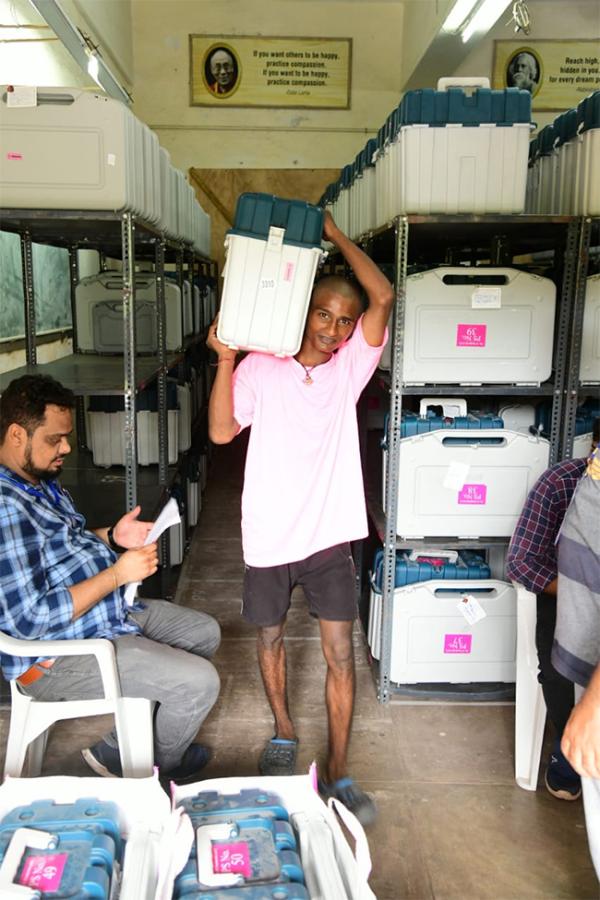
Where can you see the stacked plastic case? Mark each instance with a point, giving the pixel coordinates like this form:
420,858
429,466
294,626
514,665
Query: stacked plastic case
466,483
83,853
106,427
99,313
477,324
272,255
432,641
589,372
81,150
564,168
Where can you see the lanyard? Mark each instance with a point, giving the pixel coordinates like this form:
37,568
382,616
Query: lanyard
34,491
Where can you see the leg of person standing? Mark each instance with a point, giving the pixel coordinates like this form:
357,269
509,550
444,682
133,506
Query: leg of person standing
561,780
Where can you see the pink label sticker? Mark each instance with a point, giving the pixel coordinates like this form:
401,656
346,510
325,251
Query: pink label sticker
14,155
457,643
232,858
473,494
288,271
470,335
44,873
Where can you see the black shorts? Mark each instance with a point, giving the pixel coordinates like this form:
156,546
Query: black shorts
327,579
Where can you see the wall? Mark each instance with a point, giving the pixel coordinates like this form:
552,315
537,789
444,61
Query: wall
264,138
550,19
422,22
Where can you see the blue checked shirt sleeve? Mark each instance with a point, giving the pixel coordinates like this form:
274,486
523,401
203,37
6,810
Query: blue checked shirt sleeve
30,608
532,553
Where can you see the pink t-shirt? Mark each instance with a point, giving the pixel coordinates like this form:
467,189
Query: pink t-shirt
303,487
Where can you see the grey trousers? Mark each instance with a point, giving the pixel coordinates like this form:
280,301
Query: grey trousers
167,664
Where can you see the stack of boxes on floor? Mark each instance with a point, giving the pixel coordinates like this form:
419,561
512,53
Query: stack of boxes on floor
563,177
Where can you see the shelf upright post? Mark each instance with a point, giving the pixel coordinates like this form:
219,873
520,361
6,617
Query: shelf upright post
163,426
179,273
577,280
28,298
79,401
563,331
393,461
129,368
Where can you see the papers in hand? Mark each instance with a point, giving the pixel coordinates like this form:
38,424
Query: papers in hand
169,516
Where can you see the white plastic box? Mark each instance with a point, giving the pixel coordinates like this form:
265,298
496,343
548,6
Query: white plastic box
106,437
455,483
432,641
99,312
460,328
77,150
589,371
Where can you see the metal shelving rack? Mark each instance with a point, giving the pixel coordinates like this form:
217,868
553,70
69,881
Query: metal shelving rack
126,237
435,240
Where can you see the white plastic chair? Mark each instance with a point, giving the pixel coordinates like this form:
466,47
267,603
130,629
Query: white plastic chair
30,719
530,708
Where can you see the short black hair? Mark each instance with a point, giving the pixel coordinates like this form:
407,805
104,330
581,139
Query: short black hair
339,284
25,400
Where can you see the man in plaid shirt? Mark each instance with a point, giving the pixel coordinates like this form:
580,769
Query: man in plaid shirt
532,562
59,580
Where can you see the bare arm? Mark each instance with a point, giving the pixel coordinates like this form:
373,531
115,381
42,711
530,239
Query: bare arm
581,738
378,289
222,426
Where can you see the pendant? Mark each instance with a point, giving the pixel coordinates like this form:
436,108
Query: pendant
307,380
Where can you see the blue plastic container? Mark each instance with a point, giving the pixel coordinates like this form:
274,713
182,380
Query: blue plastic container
247,803
290,891
78,866
86,814
456,106
303,222
429,567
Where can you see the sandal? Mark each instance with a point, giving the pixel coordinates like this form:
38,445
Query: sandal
278,757
348,792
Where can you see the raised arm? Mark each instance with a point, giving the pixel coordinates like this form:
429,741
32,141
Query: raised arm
378,289
222,426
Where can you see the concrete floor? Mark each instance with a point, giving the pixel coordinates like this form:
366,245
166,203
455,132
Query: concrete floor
452,823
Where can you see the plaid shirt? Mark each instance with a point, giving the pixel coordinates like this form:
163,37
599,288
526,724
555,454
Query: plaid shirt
44,548
532,558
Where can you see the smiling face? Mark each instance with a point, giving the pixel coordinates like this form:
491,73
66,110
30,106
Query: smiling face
222,69
331,320
40,455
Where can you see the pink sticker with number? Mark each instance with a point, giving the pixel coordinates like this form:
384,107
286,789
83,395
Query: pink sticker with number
44,873
232,859
457,643
473,494
471,335
12,155
288,271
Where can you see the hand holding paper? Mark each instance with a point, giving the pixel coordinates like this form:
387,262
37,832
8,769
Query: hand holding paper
169,516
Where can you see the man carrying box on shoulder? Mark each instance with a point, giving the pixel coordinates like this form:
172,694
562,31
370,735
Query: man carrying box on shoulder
303,498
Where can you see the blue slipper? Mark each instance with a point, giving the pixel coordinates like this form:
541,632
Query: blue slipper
278,757
347,792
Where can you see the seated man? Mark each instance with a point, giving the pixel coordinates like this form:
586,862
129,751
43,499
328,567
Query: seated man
61,581
532,562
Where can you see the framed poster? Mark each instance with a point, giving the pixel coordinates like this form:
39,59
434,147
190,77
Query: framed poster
232,70
558,73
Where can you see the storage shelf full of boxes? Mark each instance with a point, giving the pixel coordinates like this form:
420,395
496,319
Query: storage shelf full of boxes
488,322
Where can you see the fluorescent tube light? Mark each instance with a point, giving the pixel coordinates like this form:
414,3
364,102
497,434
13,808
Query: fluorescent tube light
482,20
458,14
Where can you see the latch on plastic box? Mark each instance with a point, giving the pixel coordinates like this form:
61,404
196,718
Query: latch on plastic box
275,239
20,841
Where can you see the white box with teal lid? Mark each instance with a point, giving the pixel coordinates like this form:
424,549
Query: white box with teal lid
272,255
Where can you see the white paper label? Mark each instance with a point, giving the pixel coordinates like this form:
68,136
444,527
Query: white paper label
456,476
111,159
22,95
486,298
471,609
